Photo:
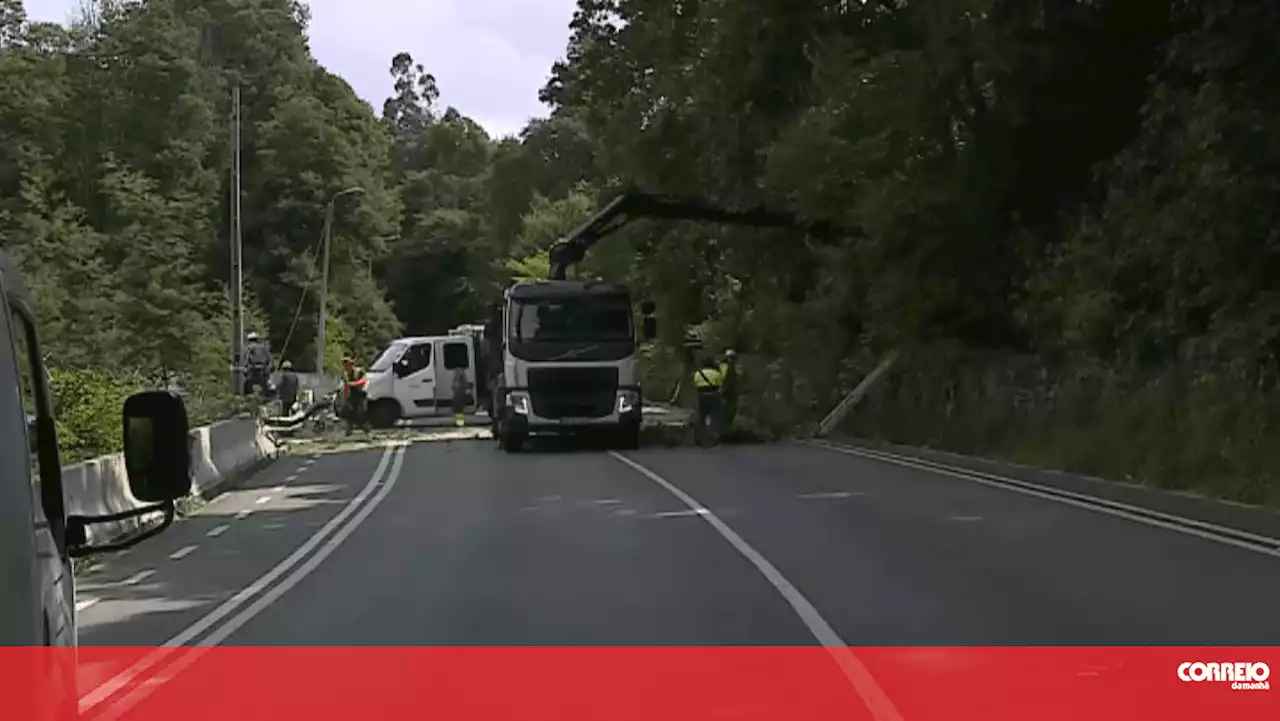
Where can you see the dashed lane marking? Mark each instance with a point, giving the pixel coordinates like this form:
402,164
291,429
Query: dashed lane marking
138,577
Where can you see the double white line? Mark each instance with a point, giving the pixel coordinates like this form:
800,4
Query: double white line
1257,543
171,658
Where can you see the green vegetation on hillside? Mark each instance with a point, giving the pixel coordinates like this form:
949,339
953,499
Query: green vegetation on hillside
1062,212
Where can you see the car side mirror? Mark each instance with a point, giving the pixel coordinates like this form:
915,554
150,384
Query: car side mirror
157,452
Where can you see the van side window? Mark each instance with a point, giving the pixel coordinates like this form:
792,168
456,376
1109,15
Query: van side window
29,364
417,358
26,387
455,356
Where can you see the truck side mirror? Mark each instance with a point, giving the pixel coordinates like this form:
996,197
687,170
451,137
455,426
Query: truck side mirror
649,327
157,452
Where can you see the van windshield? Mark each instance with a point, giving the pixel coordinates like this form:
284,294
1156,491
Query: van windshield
387,357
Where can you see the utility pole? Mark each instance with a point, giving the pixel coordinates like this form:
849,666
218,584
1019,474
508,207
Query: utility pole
237,265
324,275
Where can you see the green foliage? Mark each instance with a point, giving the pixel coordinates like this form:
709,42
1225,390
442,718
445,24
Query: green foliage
89,405
1074,185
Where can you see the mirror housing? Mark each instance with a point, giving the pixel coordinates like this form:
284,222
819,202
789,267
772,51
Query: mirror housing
648,324
649,327
157,457
157,450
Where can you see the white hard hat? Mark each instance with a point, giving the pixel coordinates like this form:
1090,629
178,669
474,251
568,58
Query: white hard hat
252,336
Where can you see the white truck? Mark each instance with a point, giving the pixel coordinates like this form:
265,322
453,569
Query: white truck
565,352
38,536
565,362
413,377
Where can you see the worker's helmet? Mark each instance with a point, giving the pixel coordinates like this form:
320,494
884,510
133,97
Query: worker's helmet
731,353
252,336
286,365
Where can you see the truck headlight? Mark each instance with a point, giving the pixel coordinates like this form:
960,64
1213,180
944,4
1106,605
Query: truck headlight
518,402
627,401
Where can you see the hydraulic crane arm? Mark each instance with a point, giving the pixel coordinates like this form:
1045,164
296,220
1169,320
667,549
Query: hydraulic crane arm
635,205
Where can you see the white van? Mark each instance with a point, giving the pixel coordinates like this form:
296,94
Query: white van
413,377
39,537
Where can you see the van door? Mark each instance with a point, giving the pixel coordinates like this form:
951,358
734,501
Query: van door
457,356
21,604
416,380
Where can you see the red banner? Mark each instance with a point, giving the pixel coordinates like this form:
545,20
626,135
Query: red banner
649,683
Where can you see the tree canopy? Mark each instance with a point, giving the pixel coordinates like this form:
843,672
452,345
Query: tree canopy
1087,183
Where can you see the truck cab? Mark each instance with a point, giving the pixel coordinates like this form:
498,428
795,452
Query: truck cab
413,377
568,362
39,537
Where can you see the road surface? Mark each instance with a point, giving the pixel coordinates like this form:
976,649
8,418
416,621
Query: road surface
457,543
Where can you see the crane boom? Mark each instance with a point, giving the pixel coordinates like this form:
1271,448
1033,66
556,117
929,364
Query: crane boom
635,205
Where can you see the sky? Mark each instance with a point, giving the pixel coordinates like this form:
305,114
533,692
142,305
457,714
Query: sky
489,57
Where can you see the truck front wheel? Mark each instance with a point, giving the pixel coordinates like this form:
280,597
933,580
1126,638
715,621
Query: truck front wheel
629,438
511,442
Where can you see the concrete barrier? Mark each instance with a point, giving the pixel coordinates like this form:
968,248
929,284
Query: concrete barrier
220,453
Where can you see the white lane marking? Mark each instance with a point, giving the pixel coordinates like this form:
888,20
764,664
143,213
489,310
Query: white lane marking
218,531
874,697
292,477
244,514
1189,526
138,577
106,689
678,514
190,656
316,559
85,602
821,496
183,552
964,518
278,488
262,499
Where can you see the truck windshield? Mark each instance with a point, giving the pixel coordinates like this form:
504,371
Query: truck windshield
386,358
586,319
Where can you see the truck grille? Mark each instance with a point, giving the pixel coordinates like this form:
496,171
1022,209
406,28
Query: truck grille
573,392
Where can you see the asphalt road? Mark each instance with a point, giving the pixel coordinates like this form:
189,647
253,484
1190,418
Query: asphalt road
455,543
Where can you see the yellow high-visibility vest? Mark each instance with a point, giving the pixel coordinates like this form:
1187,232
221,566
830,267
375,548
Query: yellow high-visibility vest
709,377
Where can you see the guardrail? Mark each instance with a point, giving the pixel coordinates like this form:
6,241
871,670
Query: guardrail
220,453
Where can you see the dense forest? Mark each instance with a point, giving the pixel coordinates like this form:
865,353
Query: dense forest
1060,211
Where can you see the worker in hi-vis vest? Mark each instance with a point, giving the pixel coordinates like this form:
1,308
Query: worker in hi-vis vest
461,397
354,391
708,381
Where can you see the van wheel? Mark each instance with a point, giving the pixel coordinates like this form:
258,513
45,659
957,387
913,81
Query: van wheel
511,442
384,413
